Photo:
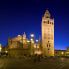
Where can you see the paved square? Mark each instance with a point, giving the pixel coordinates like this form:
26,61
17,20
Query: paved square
21,63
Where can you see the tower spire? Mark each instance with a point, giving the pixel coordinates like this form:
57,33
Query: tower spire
47,14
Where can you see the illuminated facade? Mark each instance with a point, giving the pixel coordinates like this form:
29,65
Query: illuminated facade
47,34
63,53
60,52
18,42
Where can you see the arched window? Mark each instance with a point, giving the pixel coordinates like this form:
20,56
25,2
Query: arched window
47,45
44,21
48,21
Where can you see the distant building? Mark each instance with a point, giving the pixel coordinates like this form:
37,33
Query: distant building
67,52
60,53
47,28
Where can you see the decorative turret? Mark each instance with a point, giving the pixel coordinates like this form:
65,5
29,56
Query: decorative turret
24,36
24,41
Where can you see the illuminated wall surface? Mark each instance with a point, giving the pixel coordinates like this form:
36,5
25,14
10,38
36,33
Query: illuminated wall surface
17,41
48,34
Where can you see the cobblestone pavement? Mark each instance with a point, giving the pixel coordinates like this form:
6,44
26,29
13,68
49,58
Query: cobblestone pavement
21,63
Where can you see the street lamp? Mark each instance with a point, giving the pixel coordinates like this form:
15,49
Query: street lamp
36,40
32,35
31,39
32,44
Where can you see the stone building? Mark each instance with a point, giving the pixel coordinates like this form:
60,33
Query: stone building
60,53
21,46
18,42
18,46
47,28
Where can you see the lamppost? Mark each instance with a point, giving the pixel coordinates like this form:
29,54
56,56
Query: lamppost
36,41
32,44
32,35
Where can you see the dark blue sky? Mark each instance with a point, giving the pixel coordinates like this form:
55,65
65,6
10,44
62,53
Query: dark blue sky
21,16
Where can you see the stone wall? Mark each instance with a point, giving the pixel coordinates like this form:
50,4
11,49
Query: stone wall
18,52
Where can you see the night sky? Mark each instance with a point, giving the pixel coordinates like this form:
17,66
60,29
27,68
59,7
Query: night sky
21,16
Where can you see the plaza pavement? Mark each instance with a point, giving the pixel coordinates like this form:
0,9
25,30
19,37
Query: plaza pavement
28,63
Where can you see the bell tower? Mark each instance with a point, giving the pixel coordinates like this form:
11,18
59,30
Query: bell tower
47,34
